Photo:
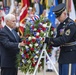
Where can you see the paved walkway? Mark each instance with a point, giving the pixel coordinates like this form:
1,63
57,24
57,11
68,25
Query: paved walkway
41,73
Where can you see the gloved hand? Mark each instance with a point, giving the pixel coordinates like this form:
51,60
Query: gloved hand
47,40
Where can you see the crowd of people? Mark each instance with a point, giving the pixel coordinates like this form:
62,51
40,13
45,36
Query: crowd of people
65,39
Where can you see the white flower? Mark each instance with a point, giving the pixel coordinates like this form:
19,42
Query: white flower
36,56
42,31
44,34
29,38
36,44
23,60
37,52
37,33
44,25
40,38
40,23
30,45
51,32
33,37
26,47
35,29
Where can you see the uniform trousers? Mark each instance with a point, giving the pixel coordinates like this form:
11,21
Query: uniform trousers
8,71
67,69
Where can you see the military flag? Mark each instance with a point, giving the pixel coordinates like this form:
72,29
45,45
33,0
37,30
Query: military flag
51,15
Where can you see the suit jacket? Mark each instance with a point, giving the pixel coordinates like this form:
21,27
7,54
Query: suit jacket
9,48
0,48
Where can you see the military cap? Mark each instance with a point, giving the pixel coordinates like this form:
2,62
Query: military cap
59,9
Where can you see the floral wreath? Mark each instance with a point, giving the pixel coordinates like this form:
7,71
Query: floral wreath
34,34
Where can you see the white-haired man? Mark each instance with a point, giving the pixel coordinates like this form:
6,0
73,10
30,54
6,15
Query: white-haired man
10,44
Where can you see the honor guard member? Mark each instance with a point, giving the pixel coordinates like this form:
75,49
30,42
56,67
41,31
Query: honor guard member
66,39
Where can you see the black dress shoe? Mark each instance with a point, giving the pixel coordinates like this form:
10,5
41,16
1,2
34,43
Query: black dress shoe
49,70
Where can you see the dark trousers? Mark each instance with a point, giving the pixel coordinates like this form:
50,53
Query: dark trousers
67,69
9,71
0,60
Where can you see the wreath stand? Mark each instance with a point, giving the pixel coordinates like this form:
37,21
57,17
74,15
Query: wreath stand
44,56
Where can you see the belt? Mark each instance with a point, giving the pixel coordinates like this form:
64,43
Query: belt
69,44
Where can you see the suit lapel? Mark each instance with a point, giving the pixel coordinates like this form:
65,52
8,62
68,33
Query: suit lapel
9,33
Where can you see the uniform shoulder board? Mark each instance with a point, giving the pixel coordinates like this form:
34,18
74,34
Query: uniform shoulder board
71,22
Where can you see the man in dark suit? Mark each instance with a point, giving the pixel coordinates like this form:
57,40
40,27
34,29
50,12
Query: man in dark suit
0,44
10,44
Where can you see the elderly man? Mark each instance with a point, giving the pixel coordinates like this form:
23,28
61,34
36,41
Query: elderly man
66,39
10,44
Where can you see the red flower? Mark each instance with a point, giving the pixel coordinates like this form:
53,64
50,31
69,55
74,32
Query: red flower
33,64
37,36
48,50
43,28
27,42
42,39
32,49
39,65
38,30
24,51
32,27
27,56
33,40
24,41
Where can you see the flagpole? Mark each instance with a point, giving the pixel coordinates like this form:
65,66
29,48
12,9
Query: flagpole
67,6
46,1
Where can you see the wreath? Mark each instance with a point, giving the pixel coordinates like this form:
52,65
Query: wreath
34,34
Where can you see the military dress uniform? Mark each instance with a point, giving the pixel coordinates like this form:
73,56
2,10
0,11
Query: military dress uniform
66,39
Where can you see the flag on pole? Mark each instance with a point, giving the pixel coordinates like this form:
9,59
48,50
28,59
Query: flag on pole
55,2
46,2
71,10
12,7
2,14
51,15
68,5
23,14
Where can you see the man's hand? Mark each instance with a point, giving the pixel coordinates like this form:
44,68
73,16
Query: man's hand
21,44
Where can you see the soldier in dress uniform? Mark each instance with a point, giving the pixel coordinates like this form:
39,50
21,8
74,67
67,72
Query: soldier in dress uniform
66,39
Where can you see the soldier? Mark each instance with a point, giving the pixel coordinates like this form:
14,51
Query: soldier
66,39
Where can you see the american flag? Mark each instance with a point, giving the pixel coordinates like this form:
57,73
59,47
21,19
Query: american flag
23,14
